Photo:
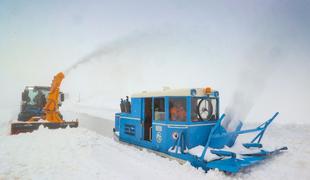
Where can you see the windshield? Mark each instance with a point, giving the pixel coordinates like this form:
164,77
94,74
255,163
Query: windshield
35,96
203,109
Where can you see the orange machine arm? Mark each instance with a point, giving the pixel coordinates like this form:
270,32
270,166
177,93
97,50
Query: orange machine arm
51,108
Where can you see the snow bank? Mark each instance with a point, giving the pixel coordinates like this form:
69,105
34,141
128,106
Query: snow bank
6,116
83,154
198,150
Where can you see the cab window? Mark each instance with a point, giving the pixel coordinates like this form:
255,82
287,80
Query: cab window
159,108
203,109
177,109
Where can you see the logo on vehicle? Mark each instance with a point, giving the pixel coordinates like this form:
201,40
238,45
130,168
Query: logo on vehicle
159,138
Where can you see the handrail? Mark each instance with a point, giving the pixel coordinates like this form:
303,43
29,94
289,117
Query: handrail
260,135
210,135
150,133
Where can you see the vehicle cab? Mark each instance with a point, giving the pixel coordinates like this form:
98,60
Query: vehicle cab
33,101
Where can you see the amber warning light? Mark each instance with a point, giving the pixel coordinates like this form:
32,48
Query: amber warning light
208,90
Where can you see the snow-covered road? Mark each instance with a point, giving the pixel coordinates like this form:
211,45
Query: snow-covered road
99,125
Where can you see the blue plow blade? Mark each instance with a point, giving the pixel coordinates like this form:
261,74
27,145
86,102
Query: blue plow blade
234,165
229,161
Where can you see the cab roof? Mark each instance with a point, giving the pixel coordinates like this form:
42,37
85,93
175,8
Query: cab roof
175,92
38,87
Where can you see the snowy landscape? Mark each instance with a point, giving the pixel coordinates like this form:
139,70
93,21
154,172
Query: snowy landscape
90,153
256,54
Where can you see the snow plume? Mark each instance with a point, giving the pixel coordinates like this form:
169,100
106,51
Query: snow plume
114,48
108,49
259,64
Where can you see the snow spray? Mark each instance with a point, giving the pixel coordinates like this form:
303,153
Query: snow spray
108,49
116,47
253,77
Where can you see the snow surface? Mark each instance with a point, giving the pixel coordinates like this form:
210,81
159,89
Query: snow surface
89,152
79,153
7,115
197,151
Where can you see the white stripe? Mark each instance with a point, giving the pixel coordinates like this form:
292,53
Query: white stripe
132,118
178,127
193,125
182,125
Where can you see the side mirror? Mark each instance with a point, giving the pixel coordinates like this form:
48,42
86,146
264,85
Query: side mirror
62,97
24,96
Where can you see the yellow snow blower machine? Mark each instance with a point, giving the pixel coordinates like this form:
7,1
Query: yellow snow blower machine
40,106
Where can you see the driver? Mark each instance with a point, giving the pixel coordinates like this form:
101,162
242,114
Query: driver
181,113
177,112
40,100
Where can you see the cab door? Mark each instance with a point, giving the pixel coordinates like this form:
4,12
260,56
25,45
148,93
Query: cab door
147,124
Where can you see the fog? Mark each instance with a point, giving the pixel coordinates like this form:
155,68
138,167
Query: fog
255,55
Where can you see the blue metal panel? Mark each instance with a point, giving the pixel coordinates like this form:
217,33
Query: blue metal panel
136,107
116,122
198,135
130,129
188,108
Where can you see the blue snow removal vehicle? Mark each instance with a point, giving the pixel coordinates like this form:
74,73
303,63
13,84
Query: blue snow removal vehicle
186,125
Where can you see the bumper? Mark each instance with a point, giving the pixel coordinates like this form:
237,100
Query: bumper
23,127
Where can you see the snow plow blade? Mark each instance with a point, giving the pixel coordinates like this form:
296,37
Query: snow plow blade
23,127
232,157
234,165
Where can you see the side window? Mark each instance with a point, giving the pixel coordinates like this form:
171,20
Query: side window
177,109
203,109
159,108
